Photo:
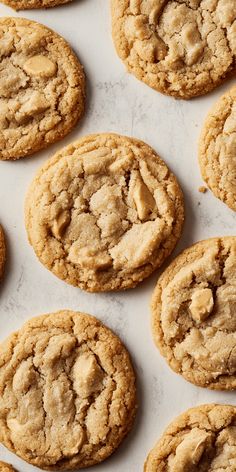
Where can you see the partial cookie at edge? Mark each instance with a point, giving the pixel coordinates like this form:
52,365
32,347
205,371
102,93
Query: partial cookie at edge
4,467
217,149
30,4
202,438
42,88
192,308
2,252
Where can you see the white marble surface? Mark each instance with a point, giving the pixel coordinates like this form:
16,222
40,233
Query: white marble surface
116,102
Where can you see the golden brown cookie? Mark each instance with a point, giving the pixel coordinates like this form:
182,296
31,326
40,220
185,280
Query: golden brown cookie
203,439
4,467
104,212
217,149
182,48
42,87
2,252
193,313
30,4
67,391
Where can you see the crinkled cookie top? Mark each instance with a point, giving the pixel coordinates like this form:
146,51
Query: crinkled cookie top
67,391
194,322
217,151
2,252
4,467
28,4
202,439
42,87
103,213
179,47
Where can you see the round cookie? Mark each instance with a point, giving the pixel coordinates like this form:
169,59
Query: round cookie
4,467
104,212
42,87
181,48
203,439
67,391
193,307
30,4
2,252
217,149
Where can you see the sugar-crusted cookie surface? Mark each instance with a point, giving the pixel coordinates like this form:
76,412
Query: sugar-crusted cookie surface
67,391
28,4
203,439
193,309
42,87
4,467
217,149
182,48
2,252
104,212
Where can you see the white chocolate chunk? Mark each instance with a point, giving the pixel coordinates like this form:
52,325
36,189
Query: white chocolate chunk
202,304
189,451
40,65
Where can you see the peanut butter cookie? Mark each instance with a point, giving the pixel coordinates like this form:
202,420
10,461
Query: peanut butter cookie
104,212
182,48
67,391
217,150
4,467
203,439
42,87
30,4
2,252
193,307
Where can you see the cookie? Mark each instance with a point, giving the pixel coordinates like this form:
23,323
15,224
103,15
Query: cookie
104,212
193,308
203,439
217,149
67,391
4,467
30,4
2,252
42,87
181,48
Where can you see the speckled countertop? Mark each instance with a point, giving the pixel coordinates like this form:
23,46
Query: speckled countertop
116,102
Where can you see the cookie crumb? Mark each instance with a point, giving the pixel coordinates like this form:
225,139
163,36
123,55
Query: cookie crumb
202,189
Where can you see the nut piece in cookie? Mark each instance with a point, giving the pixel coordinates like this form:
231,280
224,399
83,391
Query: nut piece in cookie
104,212
201,439
193,314
180,48
42,88
67,391
217,149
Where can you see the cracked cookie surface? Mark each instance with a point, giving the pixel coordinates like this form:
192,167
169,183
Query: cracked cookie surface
217,149
67,391
28,4
2,252
42,88
104,212
202,439
182,48
193,308
4,467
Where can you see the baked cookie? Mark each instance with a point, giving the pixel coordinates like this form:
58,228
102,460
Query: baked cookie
42,87
217,149
104,212
2,252
193,308
182,48
67,391
4,467
203,439
30,4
